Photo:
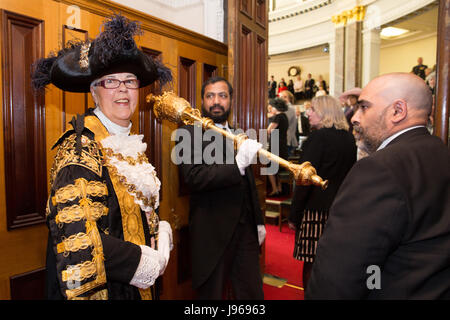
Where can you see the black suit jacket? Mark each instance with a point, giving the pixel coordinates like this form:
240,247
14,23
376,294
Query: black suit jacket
309,83
306,128
272,89
217,194
332,153
392,212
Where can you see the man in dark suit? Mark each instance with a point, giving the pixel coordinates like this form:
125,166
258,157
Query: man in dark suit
272,88
419,70
303,127
309,87
388,233
225,219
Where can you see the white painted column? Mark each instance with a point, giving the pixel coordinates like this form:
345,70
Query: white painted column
338,55
332,55
371,54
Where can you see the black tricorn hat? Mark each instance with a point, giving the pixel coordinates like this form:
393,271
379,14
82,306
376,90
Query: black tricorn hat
114,50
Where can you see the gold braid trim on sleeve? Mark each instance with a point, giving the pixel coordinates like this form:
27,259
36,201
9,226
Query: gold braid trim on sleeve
90,157
79,272
81,188
74,243
99,295
82,271
89,211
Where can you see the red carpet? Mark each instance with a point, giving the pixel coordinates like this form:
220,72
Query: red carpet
280,263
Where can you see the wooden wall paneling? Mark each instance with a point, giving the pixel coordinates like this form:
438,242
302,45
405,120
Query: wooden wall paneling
23,121
261,13
246,85
442,98
73,103
172,208
260,120
246,7
247,22
187,80
51,12
148,125
23,249
247,55
208,71
29,285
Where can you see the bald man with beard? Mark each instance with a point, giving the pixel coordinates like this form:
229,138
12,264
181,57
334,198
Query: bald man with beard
388,232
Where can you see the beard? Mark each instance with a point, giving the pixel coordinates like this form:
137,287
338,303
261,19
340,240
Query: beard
366,141
221,118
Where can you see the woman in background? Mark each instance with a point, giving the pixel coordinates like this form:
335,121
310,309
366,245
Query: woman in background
331,150
281,87
279,122
290,86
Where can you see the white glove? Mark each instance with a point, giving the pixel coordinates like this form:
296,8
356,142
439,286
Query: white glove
149,268
246,154
165,242
261,233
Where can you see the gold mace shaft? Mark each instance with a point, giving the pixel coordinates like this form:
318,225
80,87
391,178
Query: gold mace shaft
169,106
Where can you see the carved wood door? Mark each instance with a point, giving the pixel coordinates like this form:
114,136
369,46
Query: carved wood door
247,71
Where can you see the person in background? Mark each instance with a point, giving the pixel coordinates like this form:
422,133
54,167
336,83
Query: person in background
321,91
280,123
432,86
281,87
322,83
350,100
298,89
429,73
419,69
292,141
105,239
309,87
272,86
290,86
331,149
388,232
270,113
303,127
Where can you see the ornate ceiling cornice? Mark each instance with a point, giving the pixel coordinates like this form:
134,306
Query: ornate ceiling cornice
302,11
355,14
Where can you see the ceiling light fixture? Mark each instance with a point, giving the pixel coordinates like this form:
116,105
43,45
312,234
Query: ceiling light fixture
391,32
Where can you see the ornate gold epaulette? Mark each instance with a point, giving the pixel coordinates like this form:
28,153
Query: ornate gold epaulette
66,155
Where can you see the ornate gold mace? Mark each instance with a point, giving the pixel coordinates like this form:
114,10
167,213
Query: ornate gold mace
171,107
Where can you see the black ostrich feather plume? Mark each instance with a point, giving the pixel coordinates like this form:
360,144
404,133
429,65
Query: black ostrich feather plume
116,39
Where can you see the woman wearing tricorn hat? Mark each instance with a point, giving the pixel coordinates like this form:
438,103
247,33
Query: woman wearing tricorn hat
105,239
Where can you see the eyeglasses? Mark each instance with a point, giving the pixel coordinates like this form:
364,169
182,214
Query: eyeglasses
115,83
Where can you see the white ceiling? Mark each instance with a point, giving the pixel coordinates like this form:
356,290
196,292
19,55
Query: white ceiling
422,23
